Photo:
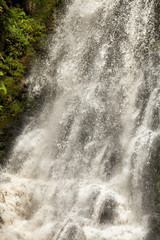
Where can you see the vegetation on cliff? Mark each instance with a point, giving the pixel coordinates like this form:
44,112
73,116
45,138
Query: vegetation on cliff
23,25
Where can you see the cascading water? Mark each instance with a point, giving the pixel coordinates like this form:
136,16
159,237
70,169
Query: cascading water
76,172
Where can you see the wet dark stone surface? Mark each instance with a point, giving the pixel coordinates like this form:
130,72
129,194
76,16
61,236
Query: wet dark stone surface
107,212
73,232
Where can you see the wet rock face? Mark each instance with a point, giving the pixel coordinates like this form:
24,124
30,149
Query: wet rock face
29,6
73,232
157,117
107,211
1,221
141,102
151,236
155,174
150,179
154,119
155,123
157,18
107,214
111,160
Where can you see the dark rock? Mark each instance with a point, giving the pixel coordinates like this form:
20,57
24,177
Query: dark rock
73,232
155,118
107,210
151,236
1,220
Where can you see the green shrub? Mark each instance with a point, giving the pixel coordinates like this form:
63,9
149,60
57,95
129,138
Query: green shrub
23,24
21,33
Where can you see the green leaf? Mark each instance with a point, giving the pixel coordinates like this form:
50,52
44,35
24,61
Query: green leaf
1,74
3,88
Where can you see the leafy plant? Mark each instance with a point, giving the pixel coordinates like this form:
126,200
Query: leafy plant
21,36
3,88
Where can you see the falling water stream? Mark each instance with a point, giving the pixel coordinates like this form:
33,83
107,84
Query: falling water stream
76,172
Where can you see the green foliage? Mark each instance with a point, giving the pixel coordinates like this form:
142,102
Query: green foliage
3,88
21,34
23,24
2,3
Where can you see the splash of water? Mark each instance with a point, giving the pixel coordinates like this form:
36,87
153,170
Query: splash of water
76,171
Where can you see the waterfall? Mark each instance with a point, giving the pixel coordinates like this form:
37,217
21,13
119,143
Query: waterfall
78,169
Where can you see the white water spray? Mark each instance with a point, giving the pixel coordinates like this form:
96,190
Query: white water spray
76,172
